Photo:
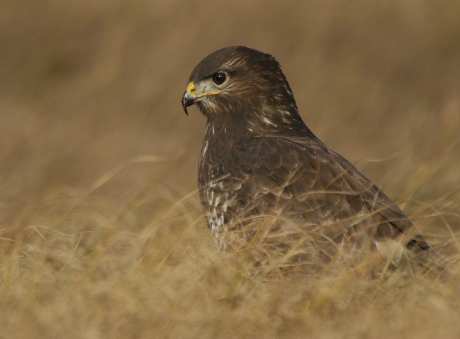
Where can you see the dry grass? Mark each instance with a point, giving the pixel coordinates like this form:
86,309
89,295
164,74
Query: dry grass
101,232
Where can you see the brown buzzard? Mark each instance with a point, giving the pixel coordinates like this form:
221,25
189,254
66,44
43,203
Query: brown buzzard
260,159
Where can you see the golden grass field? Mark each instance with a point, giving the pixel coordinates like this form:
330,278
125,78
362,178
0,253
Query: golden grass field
102,235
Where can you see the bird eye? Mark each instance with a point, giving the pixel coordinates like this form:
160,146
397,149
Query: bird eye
219,78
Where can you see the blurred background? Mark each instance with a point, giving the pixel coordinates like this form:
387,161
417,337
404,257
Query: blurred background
88,86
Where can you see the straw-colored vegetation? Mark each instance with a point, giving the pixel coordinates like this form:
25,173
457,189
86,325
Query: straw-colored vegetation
102,235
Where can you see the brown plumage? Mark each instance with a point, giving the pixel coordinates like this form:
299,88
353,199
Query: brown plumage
260,160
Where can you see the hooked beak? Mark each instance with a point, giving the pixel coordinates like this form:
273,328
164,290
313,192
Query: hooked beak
189,97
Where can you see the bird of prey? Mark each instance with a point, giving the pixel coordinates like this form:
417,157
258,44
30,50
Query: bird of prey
259,159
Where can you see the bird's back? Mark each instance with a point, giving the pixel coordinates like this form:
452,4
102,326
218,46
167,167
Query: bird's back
298,181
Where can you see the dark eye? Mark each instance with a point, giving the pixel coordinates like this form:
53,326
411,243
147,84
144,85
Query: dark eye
219,78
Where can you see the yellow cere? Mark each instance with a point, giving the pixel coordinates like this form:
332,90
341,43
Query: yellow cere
190,87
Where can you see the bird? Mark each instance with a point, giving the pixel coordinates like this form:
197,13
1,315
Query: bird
260,161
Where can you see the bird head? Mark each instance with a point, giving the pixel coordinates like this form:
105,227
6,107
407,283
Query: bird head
240,80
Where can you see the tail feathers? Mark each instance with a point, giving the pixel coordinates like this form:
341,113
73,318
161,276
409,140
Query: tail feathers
418,244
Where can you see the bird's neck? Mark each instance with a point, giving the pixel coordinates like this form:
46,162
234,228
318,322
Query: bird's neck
261,120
